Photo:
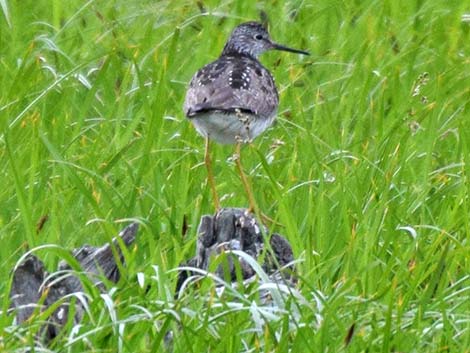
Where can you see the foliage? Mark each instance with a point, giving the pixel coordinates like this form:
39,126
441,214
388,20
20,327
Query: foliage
367,170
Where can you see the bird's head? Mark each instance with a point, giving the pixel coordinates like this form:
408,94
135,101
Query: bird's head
252,38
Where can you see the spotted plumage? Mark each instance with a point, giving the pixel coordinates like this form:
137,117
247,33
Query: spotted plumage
235,98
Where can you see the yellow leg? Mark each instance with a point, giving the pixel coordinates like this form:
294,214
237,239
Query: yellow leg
253,207
210,175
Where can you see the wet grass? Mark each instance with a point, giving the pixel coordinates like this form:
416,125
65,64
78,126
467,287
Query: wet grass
367,170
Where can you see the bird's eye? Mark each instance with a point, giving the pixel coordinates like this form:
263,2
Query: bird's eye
258,37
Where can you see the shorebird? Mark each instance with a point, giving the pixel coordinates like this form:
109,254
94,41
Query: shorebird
234,99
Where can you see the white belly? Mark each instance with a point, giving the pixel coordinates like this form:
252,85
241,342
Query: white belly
231,128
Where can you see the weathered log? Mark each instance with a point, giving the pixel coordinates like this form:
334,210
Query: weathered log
237,229
228,230
31,281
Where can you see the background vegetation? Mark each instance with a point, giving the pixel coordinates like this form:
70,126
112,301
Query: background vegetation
367,169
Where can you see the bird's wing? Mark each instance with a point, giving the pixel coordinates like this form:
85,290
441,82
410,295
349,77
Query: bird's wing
232,83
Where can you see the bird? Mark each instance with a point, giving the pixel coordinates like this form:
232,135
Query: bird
234,99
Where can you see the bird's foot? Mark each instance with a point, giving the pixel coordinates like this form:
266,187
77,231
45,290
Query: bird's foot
264,218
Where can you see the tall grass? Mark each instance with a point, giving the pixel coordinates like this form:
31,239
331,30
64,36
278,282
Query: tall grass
367,170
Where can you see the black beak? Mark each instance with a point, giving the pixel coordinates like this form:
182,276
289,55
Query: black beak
292,50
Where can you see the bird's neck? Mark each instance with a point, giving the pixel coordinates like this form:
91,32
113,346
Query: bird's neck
238,50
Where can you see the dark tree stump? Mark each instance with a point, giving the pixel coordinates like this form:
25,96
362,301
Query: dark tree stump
29,284
237,229
230,229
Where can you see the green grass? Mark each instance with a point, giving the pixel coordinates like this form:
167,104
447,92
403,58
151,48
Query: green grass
367,170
